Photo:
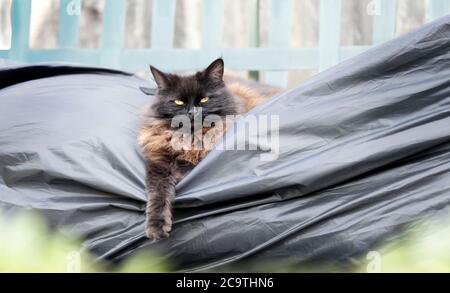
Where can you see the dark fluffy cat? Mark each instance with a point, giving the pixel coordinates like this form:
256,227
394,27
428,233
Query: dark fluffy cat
165,165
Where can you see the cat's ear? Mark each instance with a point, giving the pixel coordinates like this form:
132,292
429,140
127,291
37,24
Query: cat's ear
215,70
160,77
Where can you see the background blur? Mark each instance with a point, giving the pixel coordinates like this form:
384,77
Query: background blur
356,24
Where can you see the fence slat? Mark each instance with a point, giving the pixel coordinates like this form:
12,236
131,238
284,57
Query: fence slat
113,55
163,23
254,31
113,32
188,59
237,59
212,29
384,21
86,56
69,21
351,51
20,29
437,8
279,34
330,33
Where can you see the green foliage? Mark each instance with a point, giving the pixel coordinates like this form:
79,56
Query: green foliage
424,250
145,262
27,245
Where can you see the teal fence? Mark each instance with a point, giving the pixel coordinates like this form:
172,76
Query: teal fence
276,59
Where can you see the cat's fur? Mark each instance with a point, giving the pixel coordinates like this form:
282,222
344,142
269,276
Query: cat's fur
166,166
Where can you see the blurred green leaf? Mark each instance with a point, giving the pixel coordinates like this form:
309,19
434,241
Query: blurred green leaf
27,245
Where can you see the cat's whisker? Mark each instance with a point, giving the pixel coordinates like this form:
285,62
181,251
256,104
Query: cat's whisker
157,117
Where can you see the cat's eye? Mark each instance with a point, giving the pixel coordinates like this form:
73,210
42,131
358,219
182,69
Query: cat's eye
204,100
179,102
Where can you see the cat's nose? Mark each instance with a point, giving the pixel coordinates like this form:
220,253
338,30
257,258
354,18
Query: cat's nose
194,111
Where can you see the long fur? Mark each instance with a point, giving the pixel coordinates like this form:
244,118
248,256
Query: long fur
155,137
166,166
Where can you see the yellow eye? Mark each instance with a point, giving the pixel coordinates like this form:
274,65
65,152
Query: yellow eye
204,100
179,102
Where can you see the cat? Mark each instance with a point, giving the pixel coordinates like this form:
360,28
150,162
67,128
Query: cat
204,92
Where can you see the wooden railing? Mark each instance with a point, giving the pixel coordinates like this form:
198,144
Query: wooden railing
276,59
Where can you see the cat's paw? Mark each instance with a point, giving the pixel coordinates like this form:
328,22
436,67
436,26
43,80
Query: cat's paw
158,229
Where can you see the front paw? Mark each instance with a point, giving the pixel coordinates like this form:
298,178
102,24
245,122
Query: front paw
158,229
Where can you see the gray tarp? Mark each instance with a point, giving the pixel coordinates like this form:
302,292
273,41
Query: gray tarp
364,150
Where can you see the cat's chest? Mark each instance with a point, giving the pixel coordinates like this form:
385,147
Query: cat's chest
182,168
158,140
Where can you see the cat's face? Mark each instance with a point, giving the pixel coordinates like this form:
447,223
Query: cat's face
203,92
